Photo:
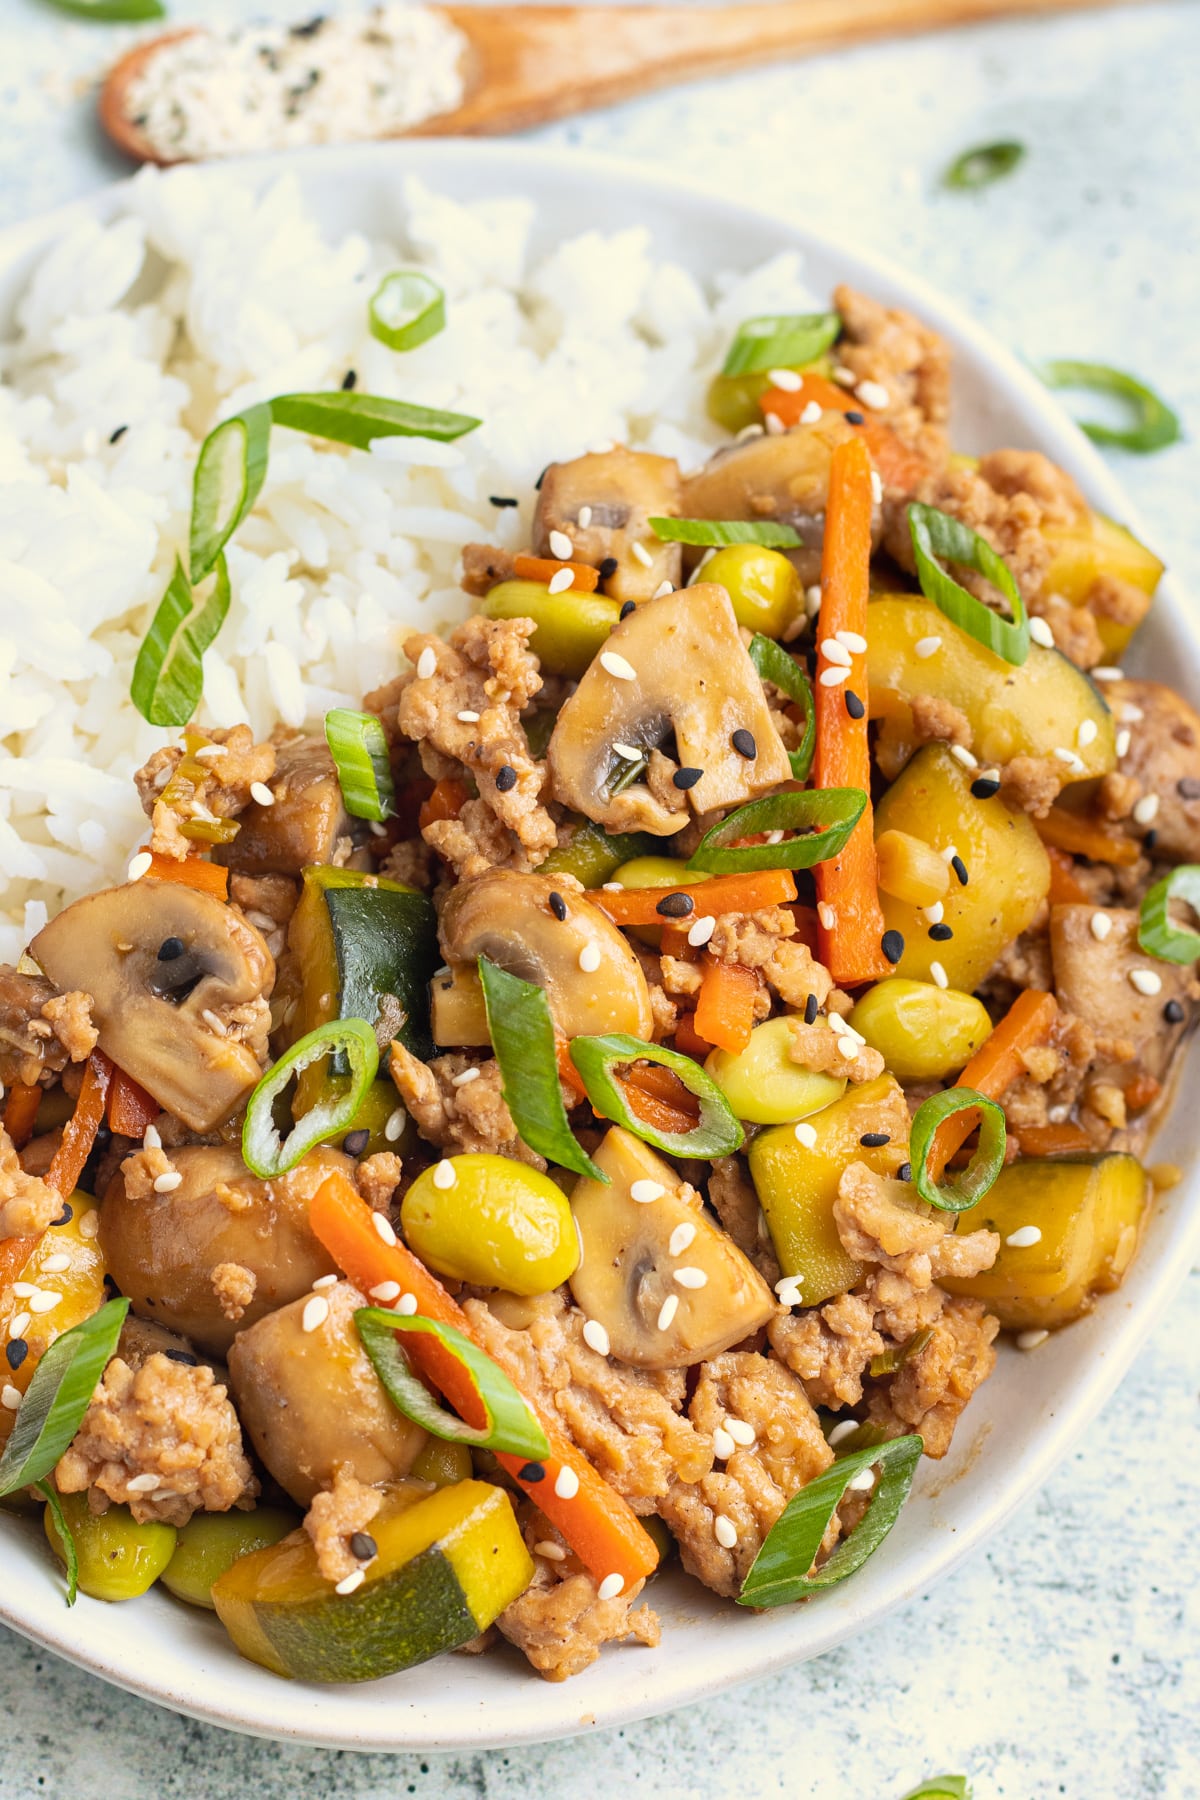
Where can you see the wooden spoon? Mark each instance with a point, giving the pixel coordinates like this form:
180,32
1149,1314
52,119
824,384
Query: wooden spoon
528,64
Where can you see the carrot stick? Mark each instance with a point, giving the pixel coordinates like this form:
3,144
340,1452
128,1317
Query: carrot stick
994,1067
20,1111
130,1108
193,872
787,406
1085,837
14,1254
594,1519
720,894
80,1131
545,568
1065,888
850,946
447,800
725,1005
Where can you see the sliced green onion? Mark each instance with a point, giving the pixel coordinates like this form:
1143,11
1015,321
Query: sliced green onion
720,532
112,12
1154,424
936,534
168,676
826,816
406,309
780,341
983,164
262,1148
776,666
511,1425
973,1182
779,1573
358,419
230,471
717,1131
364,770
522,1034
941,1787
58,1396
66,1537
1156,933
888,1361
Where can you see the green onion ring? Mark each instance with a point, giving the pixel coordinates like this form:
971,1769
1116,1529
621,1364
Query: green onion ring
1156,934
717,533
1155,426
360,754
717,1132
784,672
936,534
511,1425
262,1149
230,472
168,676
973,1182
941,1787
406,309
522,1034
983,164
835,810
780,341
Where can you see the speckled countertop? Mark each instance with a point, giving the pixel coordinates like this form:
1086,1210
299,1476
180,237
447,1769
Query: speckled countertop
1066,1659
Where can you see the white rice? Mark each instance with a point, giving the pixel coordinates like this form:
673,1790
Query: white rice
203,298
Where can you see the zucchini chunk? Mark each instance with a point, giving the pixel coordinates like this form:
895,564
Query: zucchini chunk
1093,547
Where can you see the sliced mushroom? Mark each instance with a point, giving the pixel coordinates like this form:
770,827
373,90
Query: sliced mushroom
675,665
164,964
513,921
617,492
637,1259
306,823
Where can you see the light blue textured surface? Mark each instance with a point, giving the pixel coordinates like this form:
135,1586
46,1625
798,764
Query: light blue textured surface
1066,1660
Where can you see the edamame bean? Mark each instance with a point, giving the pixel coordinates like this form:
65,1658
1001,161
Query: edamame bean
762,1083
491,1220
210,1543
571,627
923,1032
118,1558
766,591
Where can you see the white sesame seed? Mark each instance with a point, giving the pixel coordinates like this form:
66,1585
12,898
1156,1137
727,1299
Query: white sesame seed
1087,733
349,1582
1024,1237
927,646
1029,1340
667,1311
876,487
1106,672
1124,739
10,1396
680,1238
853,641
1072,760
811,413
595,1337
725,1531
774,837
1101,925
394,1126
1058,1115
406,1304
747,432
827,915
873,394
939,975
316,1310
774,424
383,1225
788,1291
616,666
664,587
44,1301
805,1134
589,958
152,1138
19,1324
444,1175
1131,714
935,913
961,754
1146,981
561,581
691,1278
168,1181
261,792
23,1289
386,1291
426,662
467,717
585,518
723,1444
786,379
699,933
843,376
213,1022
611,887
1041,633
551,1552
206,752
561,546
740,1430
566,1483
466,1077
630,752
833,677
862,1482
89,1225
948,853
139,866
324,1281
54,1265
835,652
610,1587
199,811
144,1484
812,600
645,1191
1146,809
640,552
843,1429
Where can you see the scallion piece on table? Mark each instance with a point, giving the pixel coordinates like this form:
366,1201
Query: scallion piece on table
1156,933
230,471
784,672
716,1132
360,755
511,1425
168,676
941,1787
935,534
780,1574
1154,425
780,341
716,533
983,164
113,12
973,1182
522,1034
406,309
825,816
358,419
264,1151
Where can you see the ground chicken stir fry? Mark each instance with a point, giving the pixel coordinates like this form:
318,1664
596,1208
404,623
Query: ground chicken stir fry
742,993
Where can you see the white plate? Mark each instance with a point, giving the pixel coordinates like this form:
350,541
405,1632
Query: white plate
1020,1424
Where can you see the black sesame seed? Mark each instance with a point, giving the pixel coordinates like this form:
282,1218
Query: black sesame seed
355,1142
538,483
349,380
170,949
874,1140
66,1215
16,1350
676,906
941,934
904,1172
309,29
854,705
984,786
363,1545
558,906
606,571
116,436
960,869
506,778
1173,1012
743,742
853,418
502,500
686,778
1150,839
183,1356
1188,788
892,945
531,1472
811,1008
630,606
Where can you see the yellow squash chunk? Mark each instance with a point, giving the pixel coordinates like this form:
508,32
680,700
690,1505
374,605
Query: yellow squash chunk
797,1182
1094,546
81,1285
498,1224
762,1083
1008,871
448,1564
923,1032
1089,1212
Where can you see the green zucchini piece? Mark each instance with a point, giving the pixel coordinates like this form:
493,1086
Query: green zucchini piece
367,949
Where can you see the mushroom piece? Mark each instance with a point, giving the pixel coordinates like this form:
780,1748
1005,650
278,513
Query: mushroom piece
678,665
306,823
637,1259
617,492
165,964
511,919
161,1249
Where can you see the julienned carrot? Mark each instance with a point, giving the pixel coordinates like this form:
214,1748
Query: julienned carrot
1086,837
545,568
130,1108
688,1039
447,800
898,465
194,872
79,1133
20,1111
720,894
14,1254
1054,1140
601,1529
851,941
994,1067
725,1005
1065,887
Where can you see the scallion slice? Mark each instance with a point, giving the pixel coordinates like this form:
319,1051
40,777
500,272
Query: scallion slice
358,419
1155,424
58,1395
230,471
263,1150
511,1425
983,164
360,754
941,1787
522,1034
973,1182
1156,933
776,666
936,534
780,341
66,1537
716,533
826,817
406,309
780,1574
168,676
716,1132
112,12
